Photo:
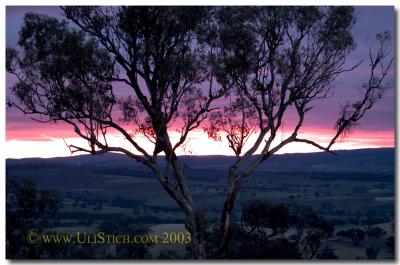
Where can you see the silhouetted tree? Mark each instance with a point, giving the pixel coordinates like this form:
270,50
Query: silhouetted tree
176,62
67,73
27,209
310,229
277,60
356,235
257,216
262,233
375,232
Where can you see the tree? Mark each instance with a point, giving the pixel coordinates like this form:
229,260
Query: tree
311,229
280,60
177,61
27,209
375,232
257,216
262,233
67,74
356,235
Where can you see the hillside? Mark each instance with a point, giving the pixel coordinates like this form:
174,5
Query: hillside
380,160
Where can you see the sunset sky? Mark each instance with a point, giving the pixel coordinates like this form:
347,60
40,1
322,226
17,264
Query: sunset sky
27,138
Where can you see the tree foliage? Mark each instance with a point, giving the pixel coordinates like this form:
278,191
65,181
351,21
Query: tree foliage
69,73
62,76
277,61
275,231
177,62
27,209
356,235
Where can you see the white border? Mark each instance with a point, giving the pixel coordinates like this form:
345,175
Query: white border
171,2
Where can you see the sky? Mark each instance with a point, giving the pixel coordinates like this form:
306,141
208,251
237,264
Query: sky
27,138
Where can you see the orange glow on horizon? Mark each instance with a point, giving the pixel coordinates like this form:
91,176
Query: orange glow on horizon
197,143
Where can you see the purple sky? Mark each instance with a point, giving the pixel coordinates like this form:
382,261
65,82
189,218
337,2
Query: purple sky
371,20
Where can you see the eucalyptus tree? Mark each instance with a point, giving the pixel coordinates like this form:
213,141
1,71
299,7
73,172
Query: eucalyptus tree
70,73
281,60
176,61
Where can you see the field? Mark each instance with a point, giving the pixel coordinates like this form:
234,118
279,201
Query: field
354,189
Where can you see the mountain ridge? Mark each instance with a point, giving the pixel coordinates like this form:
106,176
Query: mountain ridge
371,159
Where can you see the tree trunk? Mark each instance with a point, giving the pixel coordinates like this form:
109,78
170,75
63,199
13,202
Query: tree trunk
196,229
233,188
193,222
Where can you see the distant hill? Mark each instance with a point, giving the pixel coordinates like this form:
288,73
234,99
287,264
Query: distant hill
377,160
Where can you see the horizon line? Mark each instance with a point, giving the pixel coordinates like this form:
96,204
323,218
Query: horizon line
211,155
